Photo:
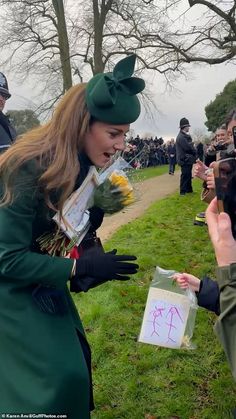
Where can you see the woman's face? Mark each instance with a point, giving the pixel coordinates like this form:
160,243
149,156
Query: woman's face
221,135
103,140
2,101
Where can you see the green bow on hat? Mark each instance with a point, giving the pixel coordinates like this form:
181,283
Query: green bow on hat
111,97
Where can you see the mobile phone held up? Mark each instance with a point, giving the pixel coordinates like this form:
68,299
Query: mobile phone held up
225,185
234,136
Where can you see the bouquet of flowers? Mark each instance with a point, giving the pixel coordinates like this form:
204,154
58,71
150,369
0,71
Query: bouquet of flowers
56,243
114,194
111,191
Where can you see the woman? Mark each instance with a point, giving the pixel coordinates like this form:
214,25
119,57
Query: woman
207,290
45,358
219,226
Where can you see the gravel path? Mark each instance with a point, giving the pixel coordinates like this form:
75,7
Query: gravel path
150,190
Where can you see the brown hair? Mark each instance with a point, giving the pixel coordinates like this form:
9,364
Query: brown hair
54,146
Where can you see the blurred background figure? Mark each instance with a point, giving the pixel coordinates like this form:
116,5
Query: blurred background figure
218,143
171,152
186,156
200,151
7,131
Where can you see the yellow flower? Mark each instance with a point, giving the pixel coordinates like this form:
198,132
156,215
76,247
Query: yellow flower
129,198
120,183
118,180
114,193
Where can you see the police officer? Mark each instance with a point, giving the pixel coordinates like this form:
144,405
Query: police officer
7,131
186,156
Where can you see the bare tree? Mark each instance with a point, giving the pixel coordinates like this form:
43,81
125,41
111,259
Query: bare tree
110,28
52,38
34,38
210,38
163,33
63,43
198,135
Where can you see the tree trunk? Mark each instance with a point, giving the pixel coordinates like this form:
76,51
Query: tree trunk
63,44
99,22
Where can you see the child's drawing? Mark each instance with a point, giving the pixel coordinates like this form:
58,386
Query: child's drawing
165,318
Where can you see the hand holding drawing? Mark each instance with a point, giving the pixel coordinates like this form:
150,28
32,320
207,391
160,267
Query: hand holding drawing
95,267
185,281
167,312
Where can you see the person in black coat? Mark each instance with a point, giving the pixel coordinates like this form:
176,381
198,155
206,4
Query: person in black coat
171,152
7,131
186,156
200,151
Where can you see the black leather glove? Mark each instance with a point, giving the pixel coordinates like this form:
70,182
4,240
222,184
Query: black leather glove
95,267
96,216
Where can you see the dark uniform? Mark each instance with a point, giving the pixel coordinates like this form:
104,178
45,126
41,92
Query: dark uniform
7,131
171,152
186,157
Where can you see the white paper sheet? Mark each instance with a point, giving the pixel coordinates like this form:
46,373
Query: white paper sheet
76,218
165,318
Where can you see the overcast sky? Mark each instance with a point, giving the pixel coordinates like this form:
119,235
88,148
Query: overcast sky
187,100
190,103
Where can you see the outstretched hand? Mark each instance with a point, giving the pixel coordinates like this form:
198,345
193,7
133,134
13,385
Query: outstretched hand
185,281
219,227
96,267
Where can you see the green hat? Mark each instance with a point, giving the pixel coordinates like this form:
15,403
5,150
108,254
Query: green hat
111,97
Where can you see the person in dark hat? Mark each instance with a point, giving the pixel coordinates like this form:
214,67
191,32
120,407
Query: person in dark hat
186,156
42,336
7,131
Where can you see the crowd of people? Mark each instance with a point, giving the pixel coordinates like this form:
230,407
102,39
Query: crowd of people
146,152
149,151
38,172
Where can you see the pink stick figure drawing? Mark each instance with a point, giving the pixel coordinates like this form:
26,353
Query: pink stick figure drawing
172,313
155,314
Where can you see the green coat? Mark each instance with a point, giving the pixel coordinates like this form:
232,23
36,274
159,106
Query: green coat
42,364
225,326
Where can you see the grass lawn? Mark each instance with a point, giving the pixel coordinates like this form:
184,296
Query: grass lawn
139,381
149,172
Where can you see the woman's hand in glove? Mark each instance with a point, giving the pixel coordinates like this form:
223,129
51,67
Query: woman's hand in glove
95,267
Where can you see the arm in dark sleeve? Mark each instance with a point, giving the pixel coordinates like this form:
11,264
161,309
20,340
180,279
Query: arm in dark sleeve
187,146
209,295
18,262
5,140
